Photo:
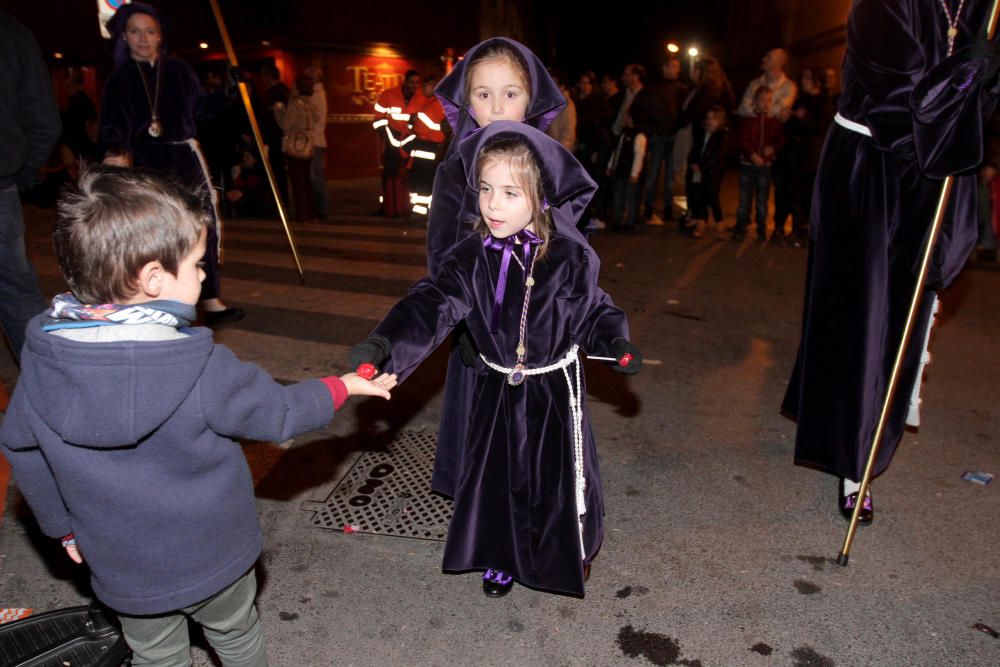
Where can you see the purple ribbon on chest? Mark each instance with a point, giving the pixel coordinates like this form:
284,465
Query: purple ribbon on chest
506,245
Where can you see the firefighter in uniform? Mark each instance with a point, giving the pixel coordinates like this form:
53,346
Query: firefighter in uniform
427,149
393,112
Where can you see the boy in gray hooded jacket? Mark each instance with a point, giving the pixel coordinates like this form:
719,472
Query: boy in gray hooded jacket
121,430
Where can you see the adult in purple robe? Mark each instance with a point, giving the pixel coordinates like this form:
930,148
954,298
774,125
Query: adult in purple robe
137,85
515,504
910,114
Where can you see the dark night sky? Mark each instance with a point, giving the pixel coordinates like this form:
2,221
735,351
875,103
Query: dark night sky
634,31
602,39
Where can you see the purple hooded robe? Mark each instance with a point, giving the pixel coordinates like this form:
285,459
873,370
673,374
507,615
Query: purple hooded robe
873,206
515,504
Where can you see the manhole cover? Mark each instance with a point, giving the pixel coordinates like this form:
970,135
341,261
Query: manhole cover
388,493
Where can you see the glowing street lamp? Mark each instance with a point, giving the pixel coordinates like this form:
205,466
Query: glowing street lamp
203,45
693,52
673,48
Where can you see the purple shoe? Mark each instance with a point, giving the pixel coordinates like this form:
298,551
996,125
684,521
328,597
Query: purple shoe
846,506
497,583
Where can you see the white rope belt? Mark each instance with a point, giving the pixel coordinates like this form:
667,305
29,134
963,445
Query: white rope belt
851,125
576,411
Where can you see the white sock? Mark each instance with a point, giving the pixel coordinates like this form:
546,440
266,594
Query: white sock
850,486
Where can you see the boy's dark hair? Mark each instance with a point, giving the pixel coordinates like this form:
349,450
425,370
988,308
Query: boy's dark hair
720,111
114,221
637,70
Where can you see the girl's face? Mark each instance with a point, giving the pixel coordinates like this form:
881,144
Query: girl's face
142,34
497,91
586,86
503,203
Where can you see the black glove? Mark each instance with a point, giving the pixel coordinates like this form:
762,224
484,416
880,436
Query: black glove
234,77
375,350
984,48
619,348
467,349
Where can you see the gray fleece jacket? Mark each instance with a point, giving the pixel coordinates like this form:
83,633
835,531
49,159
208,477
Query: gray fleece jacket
130,446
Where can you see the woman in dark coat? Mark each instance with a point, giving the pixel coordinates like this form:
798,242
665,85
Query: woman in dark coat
150,108
910,114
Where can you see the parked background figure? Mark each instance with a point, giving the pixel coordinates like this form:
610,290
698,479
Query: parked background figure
593,121
563,128
29,127
783,93
805,130
670,94
80,119
317,169
393,113
274,97
299,119
711,88
706,165
606,142
427,151
149,111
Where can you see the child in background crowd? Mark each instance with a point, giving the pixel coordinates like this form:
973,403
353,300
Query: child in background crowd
759,138
706,164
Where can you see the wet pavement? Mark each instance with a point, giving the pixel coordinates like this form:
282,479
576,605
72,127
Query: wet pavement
718,551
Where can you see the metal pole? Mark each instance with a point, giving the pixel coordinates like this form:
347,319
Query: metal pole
911,316
245,94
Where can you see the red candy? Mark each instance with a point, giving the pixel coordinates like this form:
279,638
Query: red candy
624,361
367,371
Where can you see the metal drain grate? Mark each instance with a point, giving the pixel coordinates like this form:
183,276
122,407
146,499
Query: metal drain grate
388,493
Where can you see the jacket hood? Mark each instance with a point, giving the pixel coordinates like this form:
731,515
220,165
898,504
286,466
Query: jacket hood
567,186
114,394
544,105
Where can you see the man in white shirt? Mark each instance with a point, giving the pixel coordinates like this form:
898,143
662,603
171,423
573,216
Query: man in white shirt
784,89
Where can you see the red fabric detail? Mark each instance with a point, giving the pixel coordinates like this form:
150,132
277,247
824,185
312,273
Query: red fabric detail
338,390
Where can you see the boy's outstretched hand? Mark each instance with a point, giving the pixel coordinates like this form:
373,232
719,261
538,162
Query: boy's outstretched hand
358,386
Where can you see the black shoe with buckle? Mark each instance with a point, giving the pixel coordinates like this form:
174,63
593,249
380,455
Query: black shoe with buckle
497,583
846,503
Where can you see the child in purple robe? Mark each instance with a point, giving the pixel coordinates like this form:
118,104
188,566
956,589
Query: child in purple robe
498,79
528,501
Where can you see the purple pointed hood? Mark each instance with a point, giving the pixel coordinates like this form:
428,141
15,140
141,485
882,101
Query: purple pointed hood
544,105
567,186
116,26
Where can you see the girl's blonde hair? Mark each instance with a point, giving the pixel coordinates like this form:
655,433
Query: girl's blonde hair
527,176
498,51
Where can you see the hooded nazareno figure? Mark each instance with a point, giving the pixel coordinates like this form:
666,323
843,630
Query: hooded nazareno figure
518,497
